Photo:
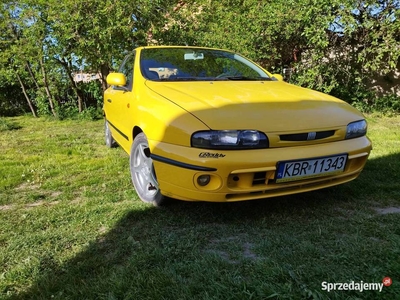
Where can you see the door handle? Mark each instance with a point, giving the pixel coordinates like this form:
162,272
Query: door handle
109,100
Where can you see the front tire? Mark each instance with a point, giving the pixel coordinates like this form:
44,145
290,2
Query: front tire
142,172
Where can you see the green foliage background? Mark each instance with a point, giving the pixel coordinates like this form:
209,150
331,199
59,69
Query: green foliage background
337,47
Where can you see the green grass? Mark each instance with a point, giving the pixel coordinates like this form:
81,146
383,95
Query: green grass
72,227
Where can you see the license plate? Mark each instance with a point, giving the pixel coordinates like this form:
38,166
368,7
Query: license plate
309,168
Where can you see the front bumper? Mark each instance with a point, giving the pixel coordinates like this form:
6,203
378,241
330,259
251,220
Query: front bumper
238,175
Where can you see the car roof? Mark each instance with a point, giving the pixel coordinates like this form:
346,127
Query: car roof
180,46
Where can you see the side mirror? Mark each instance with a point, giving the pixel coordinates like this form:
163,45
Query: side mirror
278,77
117,79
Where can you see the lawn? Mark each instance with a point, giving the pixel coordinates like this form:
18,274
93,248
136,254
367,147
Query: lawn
72,227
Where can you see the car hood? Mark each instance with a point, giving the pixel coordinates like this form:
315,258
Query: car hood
267,106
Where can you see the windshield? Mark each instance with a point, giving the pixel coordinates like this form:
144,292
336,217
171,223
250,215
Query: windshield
196,64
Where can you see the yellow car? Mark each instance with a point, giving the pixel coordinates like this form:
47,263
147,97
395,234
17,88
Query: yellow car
204,124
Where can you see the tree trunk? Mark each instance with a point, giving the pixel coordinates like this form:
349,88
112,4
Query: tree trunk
28,67
105,70
77,91
26,95
46,87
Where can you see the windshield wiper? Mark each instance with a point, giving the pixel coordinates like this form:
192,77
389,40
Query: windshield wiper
182,79
245,78
256,78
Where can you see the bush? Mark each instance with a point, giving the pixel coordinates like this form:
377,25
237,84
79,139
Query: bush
91,113
387,104
12,101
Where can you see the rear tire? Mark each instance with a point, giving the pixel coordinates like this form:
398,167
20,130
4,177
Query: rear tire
142,172
110,142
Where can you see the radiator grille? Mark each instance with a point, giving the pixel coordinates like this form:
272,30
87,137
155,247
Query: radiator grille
298,137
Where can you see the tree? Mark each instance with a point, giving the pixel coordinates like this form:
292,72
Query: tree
9,38
71,35
337,47
365,40
332,46
26,36
98,34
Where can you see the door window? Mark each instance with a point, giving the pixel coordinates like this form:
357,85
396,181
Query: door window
127,69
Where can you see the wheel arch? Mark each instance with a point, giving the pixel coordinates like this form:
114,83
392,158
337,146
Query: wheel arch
135,131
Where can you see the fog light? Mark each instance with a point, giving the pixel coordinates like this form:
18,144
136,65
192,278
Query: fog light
203,180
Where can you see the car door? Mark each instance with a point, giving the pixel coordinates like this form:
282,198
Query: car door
117,102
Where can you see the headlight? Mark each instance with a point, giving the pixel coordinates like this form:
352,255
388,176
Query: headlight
229,139
356,129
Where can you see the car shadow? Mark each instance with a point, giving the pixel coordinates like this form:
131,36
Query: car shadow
116,263
140,257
